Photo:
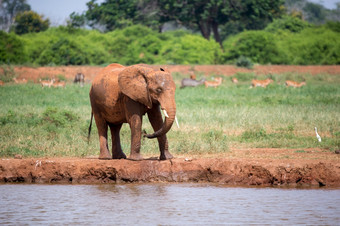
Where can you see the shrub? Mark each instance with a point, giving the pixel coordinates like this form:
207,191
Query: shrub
11,49
292,24
243,61
63,52
258,46
7,74
190,49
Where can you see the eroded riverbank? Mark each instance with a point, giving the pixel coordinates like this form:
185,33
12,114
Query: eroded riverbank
237,172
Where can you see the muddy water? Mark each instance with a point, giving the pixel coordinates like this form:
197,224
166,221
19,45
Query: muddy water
165,204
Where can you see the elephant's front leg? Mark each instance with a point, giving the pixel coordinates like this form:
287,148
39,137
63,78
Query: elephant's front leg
135,123
155,118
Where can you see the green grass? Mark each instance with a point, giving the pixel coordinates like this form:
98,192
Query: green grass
37,122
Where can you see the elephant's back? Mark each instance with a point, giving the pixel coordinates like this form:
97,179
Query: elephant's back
105,89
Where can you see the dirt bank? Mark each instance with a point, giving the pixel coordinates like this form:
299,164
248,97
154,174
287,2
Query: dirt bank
33,74
230,171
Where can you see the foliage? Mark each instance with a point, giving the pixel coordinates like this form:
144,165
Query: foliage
243,61
63,52
140,44
11,49
258,46
7,74
190,49
289,23
334,26
311,46
204,16
30,21
111,14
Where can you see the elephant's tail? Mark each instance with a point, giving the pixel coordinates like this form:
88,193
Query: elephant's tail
89,134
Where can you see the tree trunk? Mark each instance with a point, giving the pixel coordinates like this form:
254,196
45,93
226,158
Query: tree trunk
205,29
217,37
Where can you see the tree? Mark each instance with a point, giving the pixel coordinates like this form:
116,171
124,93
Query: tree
315,13
206,16
8,10
30,21
111,14
76,20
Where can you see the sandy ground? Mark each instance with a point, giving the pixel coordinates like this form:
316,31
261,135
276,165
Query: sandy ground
267,167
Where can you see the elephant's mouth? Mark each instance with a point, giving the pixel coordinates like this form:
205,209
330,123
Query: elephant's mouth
167,116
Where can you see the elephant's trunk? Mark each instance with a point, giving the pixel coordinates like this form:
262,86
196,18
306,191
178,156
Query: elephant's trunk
170,114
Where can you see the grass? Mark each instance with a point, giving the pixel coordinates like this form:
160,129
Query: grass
37,122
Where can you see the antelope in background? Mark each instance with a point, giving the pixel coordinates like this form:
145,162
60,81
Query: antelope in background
61,84
261,83
294,84
46,83
214,84
79,78
234,80
20,81
188,82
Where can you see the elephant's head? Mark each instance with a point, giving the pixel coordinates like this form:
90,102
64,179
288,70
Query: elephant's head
149,87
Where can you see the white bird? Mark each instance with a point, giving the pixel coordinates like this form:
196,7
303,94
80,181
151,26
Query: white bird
317,135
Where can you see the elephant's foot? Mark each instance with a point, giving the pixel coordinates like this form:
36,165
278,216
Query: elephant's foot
166,156
105,156
136,157
120,155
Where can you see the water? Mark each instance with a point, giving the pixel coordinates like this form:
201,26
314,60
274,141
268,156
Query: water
166,204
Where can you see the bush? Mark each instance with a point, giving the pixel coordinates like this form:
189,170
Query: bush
7,74
292,24
243,61
258,46
11,49
190,49
63,52
312,46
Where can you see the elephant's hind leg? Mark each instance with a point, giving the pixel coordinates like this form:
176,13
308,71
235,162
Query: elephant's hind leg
102,132
117,152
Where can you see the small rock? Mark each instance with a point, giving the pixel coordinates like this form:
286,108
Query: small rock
337,151
17,156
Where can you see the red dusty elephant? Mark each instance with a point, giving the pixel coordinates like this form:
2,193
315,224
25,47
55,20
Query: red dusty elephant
122,94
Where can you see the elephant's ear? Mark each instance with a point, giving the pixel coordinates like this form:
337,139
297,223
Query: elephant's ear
132,82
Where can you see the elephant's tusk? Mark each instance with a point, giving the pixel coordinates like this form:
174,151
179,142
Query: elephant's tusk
176,122
165,113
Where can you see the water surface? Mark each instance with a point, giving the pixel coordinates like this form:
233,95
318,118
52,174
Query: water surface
166,204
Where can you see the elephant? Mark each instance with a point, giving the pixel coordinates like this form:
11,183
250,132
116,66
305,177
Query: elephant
123,94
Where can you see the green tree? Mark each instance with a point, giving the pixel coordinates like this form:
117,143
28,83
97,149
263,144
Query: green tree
76,20
206,16
315,13
9,9
30,21
111,14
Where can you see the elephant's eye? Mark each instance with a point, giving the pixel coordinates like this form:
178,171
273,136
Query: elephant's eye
159,90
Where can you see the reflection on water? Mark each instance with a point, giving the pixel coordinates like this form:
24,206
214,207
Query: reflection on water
165,204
